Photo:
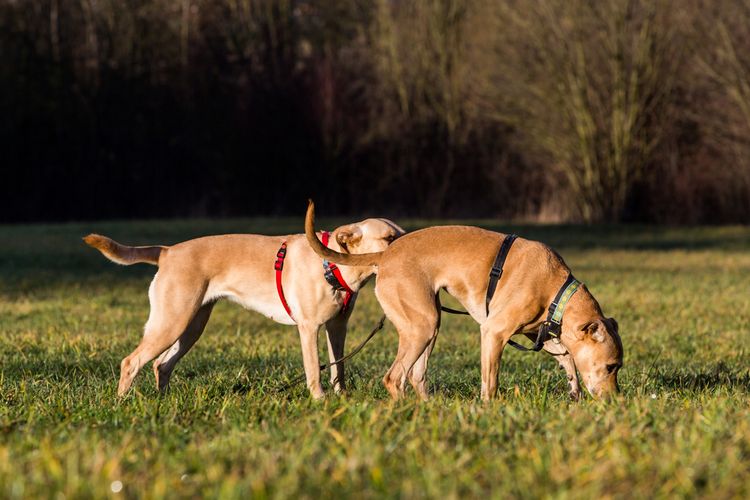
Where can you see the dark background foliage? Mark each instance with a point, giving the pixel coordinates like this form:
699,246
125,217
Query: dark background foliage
549,110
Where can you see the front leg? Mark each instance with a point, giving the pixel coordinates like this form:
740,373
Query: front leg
336,333
494,337
563,357
308,335
496,331
492,349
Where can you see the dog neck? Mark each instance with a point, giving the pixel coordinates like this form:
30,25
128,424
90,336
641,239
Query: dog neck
582,308
355,276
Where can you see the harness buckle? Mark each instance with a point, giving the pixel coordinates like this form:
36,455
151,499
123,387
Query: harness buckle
280,255
332,279
496,272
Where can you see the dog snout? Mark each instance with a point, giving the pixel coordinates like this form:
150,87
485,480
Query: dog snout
607,389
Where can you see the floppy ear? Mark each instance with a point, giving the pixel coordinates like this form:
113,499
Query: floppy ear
595,329
347,236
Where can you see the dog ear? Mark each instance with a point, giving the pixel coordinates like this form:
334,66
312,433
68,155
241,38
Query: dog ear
614,324
348,235
595,329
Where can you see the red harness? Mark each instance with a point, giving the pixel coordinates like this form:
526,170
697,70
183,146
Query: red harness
331,272
279,266
333,276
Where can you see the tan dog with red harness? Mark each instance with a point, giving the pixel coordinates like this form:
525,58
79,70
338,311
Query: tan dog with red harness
277,276
536,295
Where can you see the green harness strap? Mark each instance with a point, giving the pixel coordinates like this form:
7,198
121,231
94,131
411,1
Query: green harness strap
552,326
557,308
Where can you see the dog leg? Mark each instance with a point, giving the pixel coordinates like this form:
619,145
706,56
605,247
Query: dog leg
416,320
308,335
563,357
495,331
411,345
165,364
414,341
173,306
493,343
418,374
336,334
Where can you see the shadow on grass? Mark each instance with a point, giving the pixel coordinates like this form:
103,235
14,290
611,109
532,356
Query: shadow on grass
237,374
718,376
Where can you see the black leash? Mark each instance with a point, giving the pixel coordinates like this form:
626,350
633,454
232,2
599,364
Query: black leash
353,353
453,311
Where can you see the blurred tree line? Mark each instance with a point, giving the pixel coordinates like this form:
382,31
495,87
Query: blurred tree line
552,110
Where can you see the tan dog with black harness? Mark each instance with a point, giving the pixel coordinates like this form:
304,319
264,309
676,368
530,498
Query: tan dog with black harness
536,296
277,276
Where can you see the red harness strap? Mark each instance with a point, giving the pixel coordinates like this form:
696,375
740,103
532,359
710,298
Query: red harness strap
279,266
333,275
331,272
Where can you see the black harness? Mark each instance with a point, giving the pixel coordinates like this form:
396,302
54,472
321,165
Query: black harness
497,268
552,326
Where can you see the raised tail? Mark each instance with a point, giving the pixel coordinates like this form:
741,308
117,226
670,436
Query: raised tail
122,254
347,259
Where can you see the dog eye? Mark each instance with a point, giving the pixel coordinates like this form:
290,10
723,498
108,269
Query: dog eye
612,367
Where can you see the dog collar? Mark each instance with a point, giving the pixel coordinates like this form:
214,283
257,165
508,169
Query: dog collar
557,308
552,326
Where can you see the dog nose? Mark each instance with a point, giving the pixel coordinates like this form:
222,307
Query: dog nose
608,389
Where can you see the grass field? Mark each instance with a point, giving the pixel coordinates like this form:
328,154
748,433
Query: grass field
680,428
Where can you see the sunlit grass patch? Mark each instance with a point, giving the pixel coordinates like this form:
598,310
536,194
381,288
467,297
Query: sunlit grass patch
680,428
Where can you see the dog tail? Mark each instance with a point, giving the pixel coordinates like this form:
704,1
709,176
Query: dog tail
122,254
347,259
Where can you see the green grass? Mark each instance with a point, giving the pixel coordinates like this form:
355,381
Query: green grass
681,427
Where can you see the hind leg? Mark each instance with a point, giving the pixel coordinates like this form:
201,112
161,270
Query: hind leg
165,364
174,303
418,374
411,343
416,321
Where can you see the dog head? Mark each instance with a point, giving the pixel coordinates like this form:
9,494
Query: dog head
597,351
368,236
